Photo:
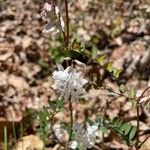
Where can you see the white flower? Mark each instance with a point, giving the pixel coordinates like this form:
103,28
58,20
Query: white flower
73,144
68,83
60,133
55,23
86,137
48,7
92,133
51,28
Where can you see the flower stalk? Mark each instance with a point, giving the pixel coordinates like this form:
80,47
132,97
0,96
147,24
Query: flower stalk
137,111
71,119
67,24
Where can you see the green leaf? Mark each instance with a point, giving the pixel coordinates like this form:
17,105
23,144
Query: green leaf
132,133
122,88
132,96
60,104
119,123
133,103
128,129
132,93
94,52
116,72
57,54
101,60
104,129
52,105
109,67
124,127
79,146
125,130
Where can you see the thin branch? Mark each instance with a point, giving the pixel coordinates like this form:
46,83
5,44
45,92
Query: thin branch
144,92
144,141
138,109
138,128
114,93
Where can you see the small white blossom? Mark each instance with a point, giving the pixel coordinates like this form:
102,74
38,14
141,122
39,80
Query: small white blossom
55,21
73,144
48,7
51,28
60,133
86,137
68,83
92,133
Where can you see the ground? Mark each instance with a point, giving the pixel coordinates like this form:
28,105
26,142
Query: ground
119,29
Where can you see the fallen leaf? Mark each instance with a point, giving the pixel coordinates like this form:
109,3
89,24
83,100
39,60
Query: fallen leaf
31,142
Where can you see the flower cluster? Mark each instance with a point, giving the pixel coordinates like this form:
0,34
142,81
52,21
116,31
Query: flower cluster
68,83
55,21
86,137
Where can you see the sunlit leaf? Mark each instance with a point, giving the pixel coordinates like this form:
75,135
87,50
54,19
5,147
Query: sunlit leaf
109,67
116,72
132,93
122,88
94,52
101,60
